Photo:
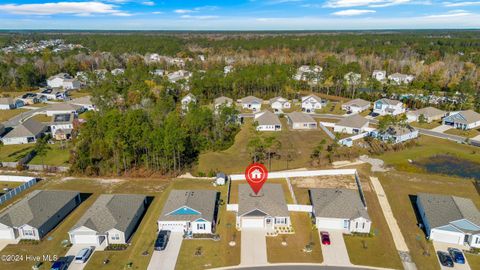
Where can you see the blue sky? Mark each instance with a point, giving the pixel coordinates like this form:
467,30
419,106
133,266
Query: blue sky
238,15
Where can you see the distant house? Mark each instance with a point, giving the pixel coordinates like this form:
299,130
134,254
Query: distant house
379,75
308,73
190,212
31,98
63,80
186,100
353,124
37,214
463,120
398,78
311,103
251,103
158,72
84,102
54,93
62,126
352,78
449,219
117,71
267,210
227,69
7,104
63,108
339,209
386,106
112,218
430,114
222,101
267,121
396,134
26,132
279,103
356,105
299,120
179,75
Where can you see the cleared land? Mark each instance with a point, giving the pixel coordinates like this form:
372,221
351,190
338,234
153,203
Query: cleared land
431,125
57,155
42,118
234,190
302,185
12,153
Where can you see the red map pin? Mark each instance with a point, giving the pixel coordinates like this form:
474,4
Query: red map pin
256,175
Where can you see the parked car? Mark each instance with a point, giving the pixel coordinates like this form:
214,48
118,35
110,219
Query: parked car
61,264
162,240
457,255
445,258
83,255
325,238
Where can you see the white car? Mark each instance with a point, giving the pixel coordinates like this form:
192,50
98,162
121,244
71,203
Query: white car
83,255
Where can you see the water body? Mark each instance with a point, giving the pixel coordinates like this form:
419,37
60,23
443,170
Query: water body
450,165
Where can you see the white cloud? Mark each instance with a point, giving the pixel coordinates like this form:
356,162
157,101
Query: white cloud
353,12
358,3
157,12
183,11
461,4
451,14
197,9
76,8
148,3
204,17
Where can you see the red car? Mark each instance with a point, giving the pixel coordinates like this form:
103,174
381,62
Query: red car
325,238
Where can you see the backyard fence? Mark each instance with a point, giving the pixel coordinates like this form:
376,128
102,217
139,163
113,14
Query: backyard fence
14,192
232,207
287,174
300,208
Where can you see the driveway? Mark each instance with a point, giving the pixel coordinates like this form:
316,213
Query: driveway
441,128
167,259
4,243
439,246
73,251
254,247
336,253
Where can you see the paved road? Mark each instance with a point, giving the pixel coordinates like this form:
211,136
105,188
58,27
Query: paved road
336,253
254,247
301,267
167,259
16,120
451,137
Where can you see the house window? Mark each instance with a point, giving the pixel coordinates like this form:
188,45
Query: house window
200,226
115,236
477,240
28,232
363,225
345,224
281,221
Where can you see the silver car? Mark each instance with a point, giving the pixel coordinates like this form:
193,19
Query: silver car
83,255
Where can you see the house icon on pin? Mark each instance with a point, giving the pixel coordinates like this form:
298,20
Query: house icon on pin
256,174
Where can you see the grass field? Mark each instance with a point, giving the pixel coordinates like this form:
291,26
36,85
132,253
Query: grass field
332,108
431,125
298,144
304,234
464,133
56,155
42,118
12,153
7,114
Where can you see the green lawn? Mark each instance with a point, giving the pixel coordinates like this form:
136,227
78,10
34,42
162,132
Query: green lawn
42,118
464,133
430,125
57,155
298,144
78,93
332,108
7,114
12,153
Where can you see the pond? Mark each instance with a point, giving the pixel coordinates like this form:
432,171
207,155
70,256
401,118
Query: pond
450,165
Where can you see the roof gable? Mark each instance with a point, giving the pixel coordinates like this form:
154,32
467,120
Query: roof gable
185,210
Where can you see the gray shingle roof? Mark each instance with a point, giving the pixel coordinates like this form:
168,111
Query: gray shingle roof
29,128
440,210
63,107
251,99
223,100
465,117
354,121
7,101
111,211
316,98
267,118
269,200
202,201
36,208
279,99
338,203
357,102
389,101
428,112
299,117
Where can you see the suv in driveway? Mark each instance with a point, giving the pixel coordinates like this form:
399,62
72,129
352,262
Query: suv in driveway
162,240
457,255
61,264
445,258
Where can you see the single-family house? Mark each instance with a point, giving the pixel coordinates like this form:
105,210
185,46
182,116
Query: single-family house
386,106
449,219
63,108
353,124
32,98
266,210
26,132
396,134
63,80
300,120
340,209
356,105
179,75
311,103
352,78
279,103
468,119
37,214
117,71
112,218
84,102
158,72
398,78
429,115
186,100
190,212
379,75
308,73
267,121
7,104
222,101
61,126
251,103
54,93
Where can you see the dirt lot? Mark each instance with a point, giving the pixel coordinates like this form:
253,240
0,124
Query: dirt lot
336,181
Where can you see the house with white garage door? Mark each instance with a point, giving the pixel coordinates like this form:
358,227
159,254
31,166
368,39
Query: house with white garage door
449,219
37,214
265,210
112,219
190,211
340,209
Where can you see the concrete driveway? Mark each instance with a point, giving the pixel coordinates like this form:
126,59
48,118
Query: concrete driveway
254,247
439,246
336,253
73,251
441,128
167,259
4,243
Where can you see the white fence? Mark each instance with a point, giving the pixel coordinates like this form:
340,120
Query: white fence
328,124
232,207
286,174
347,141
15,178
300,208
12,193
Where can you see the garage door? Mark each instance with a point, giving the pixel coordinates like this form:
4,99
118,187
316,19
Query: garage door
447,238
172,226
85,239
6,234
252,222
